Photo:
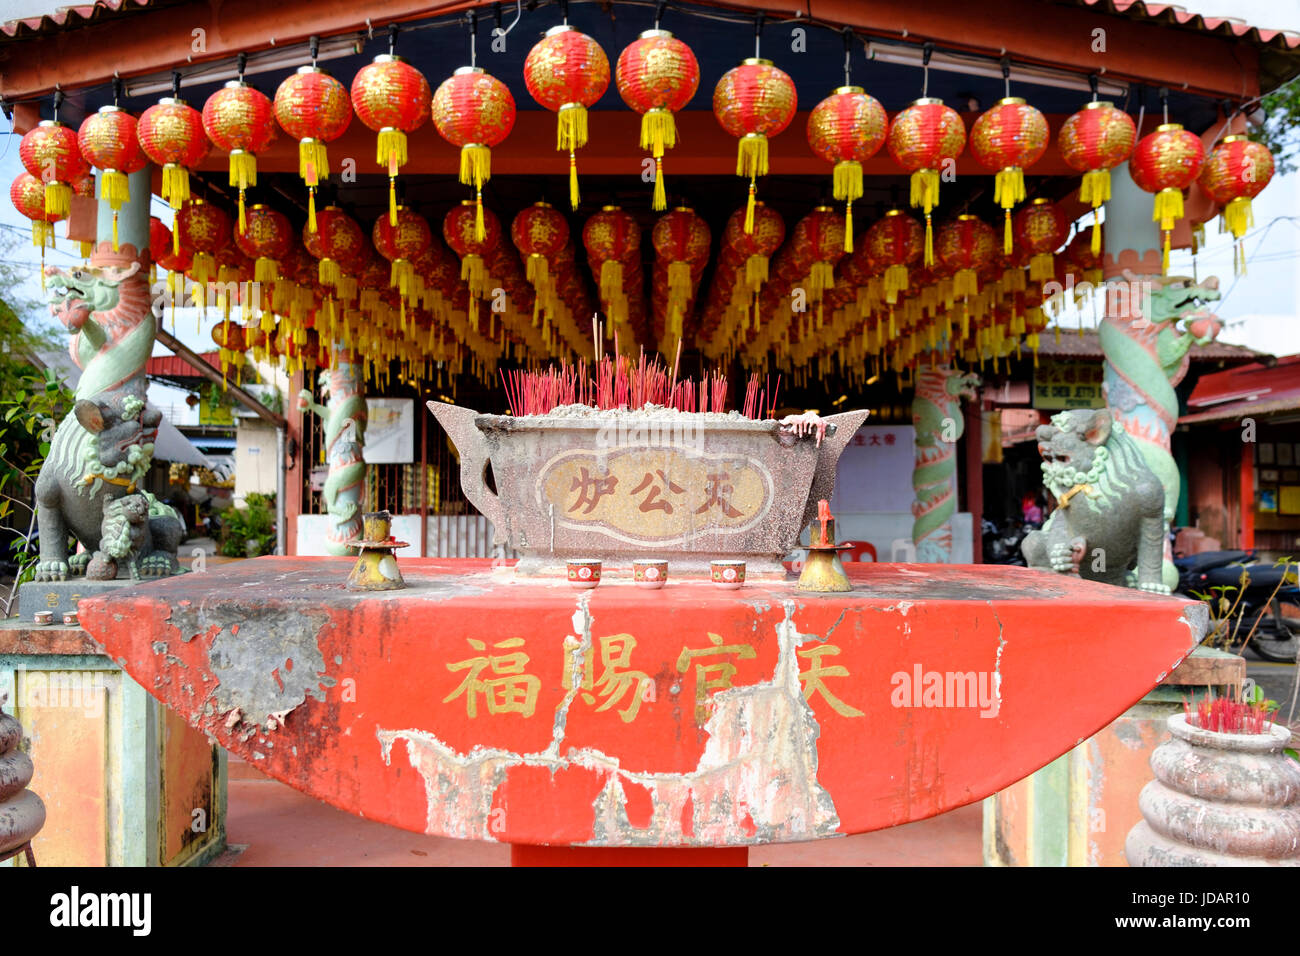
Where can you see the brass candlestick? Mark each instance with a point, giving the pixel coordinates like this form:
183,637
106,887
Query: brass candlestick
822,570
376,567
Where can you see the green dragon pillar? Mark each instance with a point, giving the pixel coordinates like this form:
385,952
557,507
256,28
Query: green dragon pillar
1151,322
344,420
936,413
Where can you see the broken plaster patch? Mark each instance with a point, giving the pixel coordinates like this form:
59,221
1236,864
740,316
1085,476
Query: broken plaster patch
756,780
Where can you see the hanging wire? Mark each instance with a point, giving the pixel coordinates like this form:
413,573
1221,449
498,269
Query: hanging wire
758,33
58,101
1006,77
392,38
848,56
472,16
659,12
241,64
1164,102
927,51
313,46
1093,81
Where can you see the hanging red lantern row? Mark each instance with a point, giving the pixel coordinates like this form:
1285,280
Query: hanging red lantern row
171,135
1040,228
313,108
1233,174
392,98
895,243
657,75
241,121
847,129
1094,141
924,139
474,111
107,140
1009,138
49,151
1165,163
754,101
567,72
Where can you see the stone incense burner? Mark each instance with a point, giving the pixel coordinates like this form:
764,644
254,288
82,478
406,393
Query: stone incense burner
619,485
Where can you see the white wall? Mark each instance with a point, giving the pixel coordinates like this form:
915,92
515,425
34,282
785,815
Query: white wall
254,458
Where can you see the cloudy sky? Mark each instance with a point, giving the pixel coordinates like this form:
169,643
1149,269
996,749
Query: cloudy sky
1261,309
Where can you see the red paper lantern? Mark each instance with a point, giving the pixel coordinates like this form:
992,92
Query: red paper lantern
754,101
1094,141
681,239
1234,173
313,108
401,245
847,129
757,246
472,232
240,120
392,98
567,72
204,230
539,232
338,239
1007,138
107,140
171,135
1165,163
895,242
28,196
474,111
923,139
966,246
1040,229
657,75
268,240
49,151
613,242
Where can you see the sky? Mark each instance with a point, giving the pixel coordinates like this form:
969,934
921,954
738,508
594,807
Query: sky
1260,310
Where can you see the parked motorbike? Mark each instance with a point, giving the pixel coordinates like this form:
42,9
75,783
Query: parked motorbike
1216,576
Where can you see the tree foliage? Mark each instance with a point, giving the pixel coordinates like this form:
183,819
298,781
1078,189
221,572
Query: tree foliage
1281,129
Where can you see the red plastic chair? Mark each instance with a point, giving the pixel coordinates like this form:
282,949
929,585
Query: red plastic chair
856,551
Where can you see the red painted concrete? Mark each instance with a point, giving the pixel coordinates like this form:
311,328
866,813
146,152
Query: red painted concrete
396,722
274,825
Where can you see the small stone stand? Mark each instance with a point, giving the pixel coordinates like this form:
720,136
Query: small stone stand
61,597
376,568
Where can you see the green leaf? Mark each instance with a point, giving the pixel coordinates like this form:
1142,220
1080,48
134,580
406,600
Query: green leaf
1292,753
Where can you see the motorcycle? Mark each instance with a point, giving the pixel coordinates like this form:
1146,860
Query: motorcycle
1001,543
1267,601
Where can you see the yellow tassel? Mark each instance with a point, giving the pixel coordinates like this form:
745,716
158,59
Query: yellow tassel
390,151
313,162
87,247
1007,245
243,215
115,248
965,283
1164,256
175,185
847,180
571,127
658,131
1095,188
925,189
1042,267
749,209
929,241
751,159
311,209
1009,187
679,278
848,226
611,278
176,239
1168,208
1238,216
480,227
392,201
265,270
895,282
573,180
58,199
755,272
660,196
475,165
1096,235
116,188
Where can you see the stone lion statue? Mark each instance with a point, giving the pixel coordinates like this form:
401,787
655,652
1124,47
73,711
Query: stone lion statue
1108,525
133,535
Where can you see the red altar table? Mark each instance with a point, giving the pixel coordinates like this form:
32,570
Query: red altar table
479,706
